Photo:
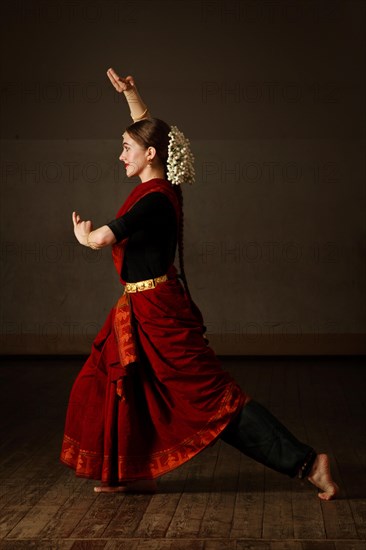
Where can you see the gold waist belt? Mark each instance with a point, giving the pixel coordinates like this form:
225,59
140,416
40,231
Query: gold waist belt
145,285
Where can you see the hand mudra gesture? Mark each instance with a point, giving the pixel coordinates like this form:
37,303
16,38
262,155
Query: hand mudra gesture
120,84
81,228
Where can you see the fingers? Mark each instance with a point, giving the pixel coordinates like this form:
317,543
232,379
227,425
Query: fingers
87,224
120,84
75,218
111,72
115,79
112,75
130,80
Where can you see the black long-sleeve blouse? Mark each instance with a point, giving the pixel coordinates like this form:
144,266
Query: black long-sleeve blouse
151,228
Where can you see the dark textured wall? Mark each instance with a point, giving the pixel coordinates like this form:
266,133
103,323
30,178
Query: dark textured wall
272,97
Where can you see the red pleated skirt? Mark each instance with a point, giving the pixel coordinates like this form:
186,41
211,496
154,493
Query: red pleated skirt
151,395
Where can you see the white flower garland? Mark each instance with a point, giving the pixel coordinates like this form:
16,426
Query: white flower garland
180,163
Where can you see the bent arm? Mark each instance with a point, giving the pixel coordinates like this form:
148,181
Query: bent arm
101,237
98,238
149,211
138,109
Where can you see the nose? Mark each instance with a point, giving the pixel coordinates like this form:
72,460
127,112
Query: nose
121,157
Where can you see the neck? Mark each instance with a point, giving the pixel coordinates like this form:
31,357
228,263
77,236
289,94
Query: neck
151,173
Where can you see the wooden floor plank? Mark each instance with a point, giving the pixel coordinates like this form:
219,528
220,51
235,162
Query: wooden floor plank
220,544
338,520
162,506
358,508
33,522
218,516
42,501
128,516
248,513
349,545
253,545
318,545
67,517
307,512
277,511
121,545
154,545
101,511
161,544
89,545
286,545
186,521
36,544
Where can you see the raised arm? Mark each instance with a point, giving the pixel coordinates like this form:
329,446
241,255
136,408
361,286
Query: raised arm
83,230
138,109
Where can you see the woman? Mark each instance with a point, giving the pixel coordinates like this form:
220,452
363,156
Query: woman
152,393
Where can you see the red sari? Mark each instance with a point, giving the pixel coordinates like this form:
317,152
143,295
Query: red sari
152,394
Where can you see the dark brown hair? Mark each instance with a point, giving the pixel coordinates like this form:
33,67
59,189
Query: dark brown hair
154,132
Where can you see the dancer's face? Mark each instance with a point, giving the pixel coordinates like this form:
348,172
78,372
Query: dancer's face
135,158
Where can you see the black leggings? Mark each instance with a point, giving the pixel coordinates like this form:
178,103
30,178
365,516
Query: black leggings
258,434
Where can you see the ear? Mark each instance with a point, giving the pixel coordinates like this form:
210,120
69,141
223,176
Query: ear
151,153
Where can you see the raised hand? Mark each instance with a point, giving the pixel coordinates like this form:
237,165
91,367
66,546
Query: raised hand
120,84
138,109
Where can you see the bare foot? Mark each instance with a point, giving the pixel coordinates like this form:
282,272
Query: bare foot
110,489
138,486
321,477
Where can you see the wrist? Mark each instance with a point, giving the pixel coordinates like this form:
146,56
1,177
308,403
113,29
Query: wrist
84,239
142,114
131,94
89,242
138,109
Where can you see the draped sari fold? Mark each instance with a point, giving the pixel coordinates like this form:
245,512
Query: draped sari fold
152,394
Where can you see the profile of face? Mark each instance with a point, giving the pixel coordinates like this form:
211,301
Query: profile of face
136,158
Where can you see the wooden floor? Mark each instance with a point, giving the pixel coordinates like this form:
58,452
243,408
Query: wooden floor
220,500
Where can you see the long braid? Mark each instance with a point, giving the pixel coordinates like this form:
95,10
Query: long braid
182,274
